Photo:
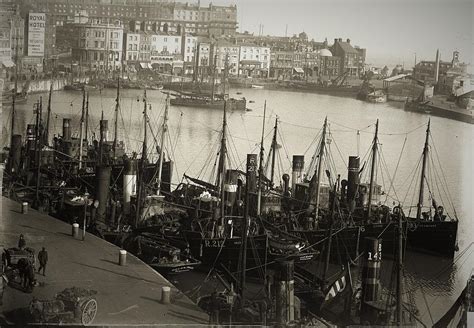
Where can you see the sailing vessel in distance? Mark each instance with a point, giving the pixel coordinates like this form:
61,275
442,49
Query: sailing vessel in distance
213,100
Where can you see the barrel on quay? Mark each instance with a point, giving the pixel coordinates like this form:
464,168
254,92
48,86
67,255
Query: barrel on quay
128,295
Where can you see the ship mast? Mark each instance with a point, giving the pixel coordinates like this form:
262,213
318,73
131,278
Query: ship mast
223,154
163,132
81,131
273,150
400,269
320,166
15,90
260,166
87,119
38,146
117,106
48,117
101,142
140,189
329,243
423,172
372,169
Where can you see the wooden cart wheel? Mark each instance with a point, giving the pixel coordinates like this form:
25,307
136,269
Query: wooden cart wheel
89,311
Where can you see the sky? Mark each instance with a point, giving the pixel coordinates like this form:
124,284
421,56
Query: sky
392,31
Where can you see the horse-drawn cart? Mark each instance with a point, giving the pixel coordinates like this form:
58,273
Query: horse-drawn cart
14,255
72,305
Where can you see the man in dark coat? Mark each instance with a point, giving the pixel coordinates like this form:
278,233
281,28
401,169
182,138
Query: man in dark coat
21,242
43,260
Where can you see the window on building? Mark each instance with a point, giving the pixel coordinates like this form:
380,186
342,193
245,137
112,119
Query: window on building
135,47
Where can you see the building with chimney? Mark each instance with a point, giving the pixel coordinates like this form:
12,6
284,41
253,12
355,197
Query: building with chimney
351,59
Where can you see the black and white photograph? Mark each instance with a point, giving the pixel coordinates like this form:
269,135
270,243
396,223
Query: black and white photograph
237,163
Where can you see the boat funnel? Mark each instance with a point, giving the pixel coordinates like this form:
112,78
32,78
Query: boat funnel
371,279
30,137
66,128
230,187
15,153
102,176
353,178
252,172
104,130
297,173
129,183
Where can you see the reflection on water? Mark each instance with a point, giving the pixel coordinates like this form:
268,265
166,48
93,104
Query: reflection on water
194,133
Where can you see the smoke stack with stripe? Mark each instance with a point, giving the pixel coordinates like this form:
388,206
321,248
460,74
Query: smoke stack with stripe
230,187
66,128
129,183
297,173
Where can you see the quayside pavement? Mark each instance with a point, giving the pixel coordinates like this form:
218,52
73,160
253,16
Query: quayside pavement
126,295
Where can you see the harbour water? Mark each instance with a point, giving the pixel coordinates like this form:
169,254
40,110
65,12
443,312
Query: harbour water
194,134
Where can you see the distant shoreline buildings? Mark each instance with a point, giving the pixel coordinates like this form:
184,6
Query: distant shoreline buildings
180,39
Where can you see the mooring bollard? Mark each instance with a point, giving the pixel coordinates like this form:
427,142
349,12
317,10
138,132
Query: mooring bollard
123,257
24,208
165,294
75,230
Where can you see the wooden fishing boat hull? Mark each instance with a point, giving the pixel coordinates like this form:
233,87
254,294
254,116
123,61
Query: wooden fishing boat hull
232,104
430,237
168,269
212,251
159,254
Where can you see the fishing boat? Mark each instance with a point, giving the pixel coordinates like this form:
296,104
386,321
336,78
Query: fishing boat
461,312
206,101
77,86
430,230
158,253
257,86
216,229
377,96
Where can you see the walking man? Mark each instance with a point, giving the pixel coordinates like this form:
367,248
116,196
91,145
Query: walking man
43,260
